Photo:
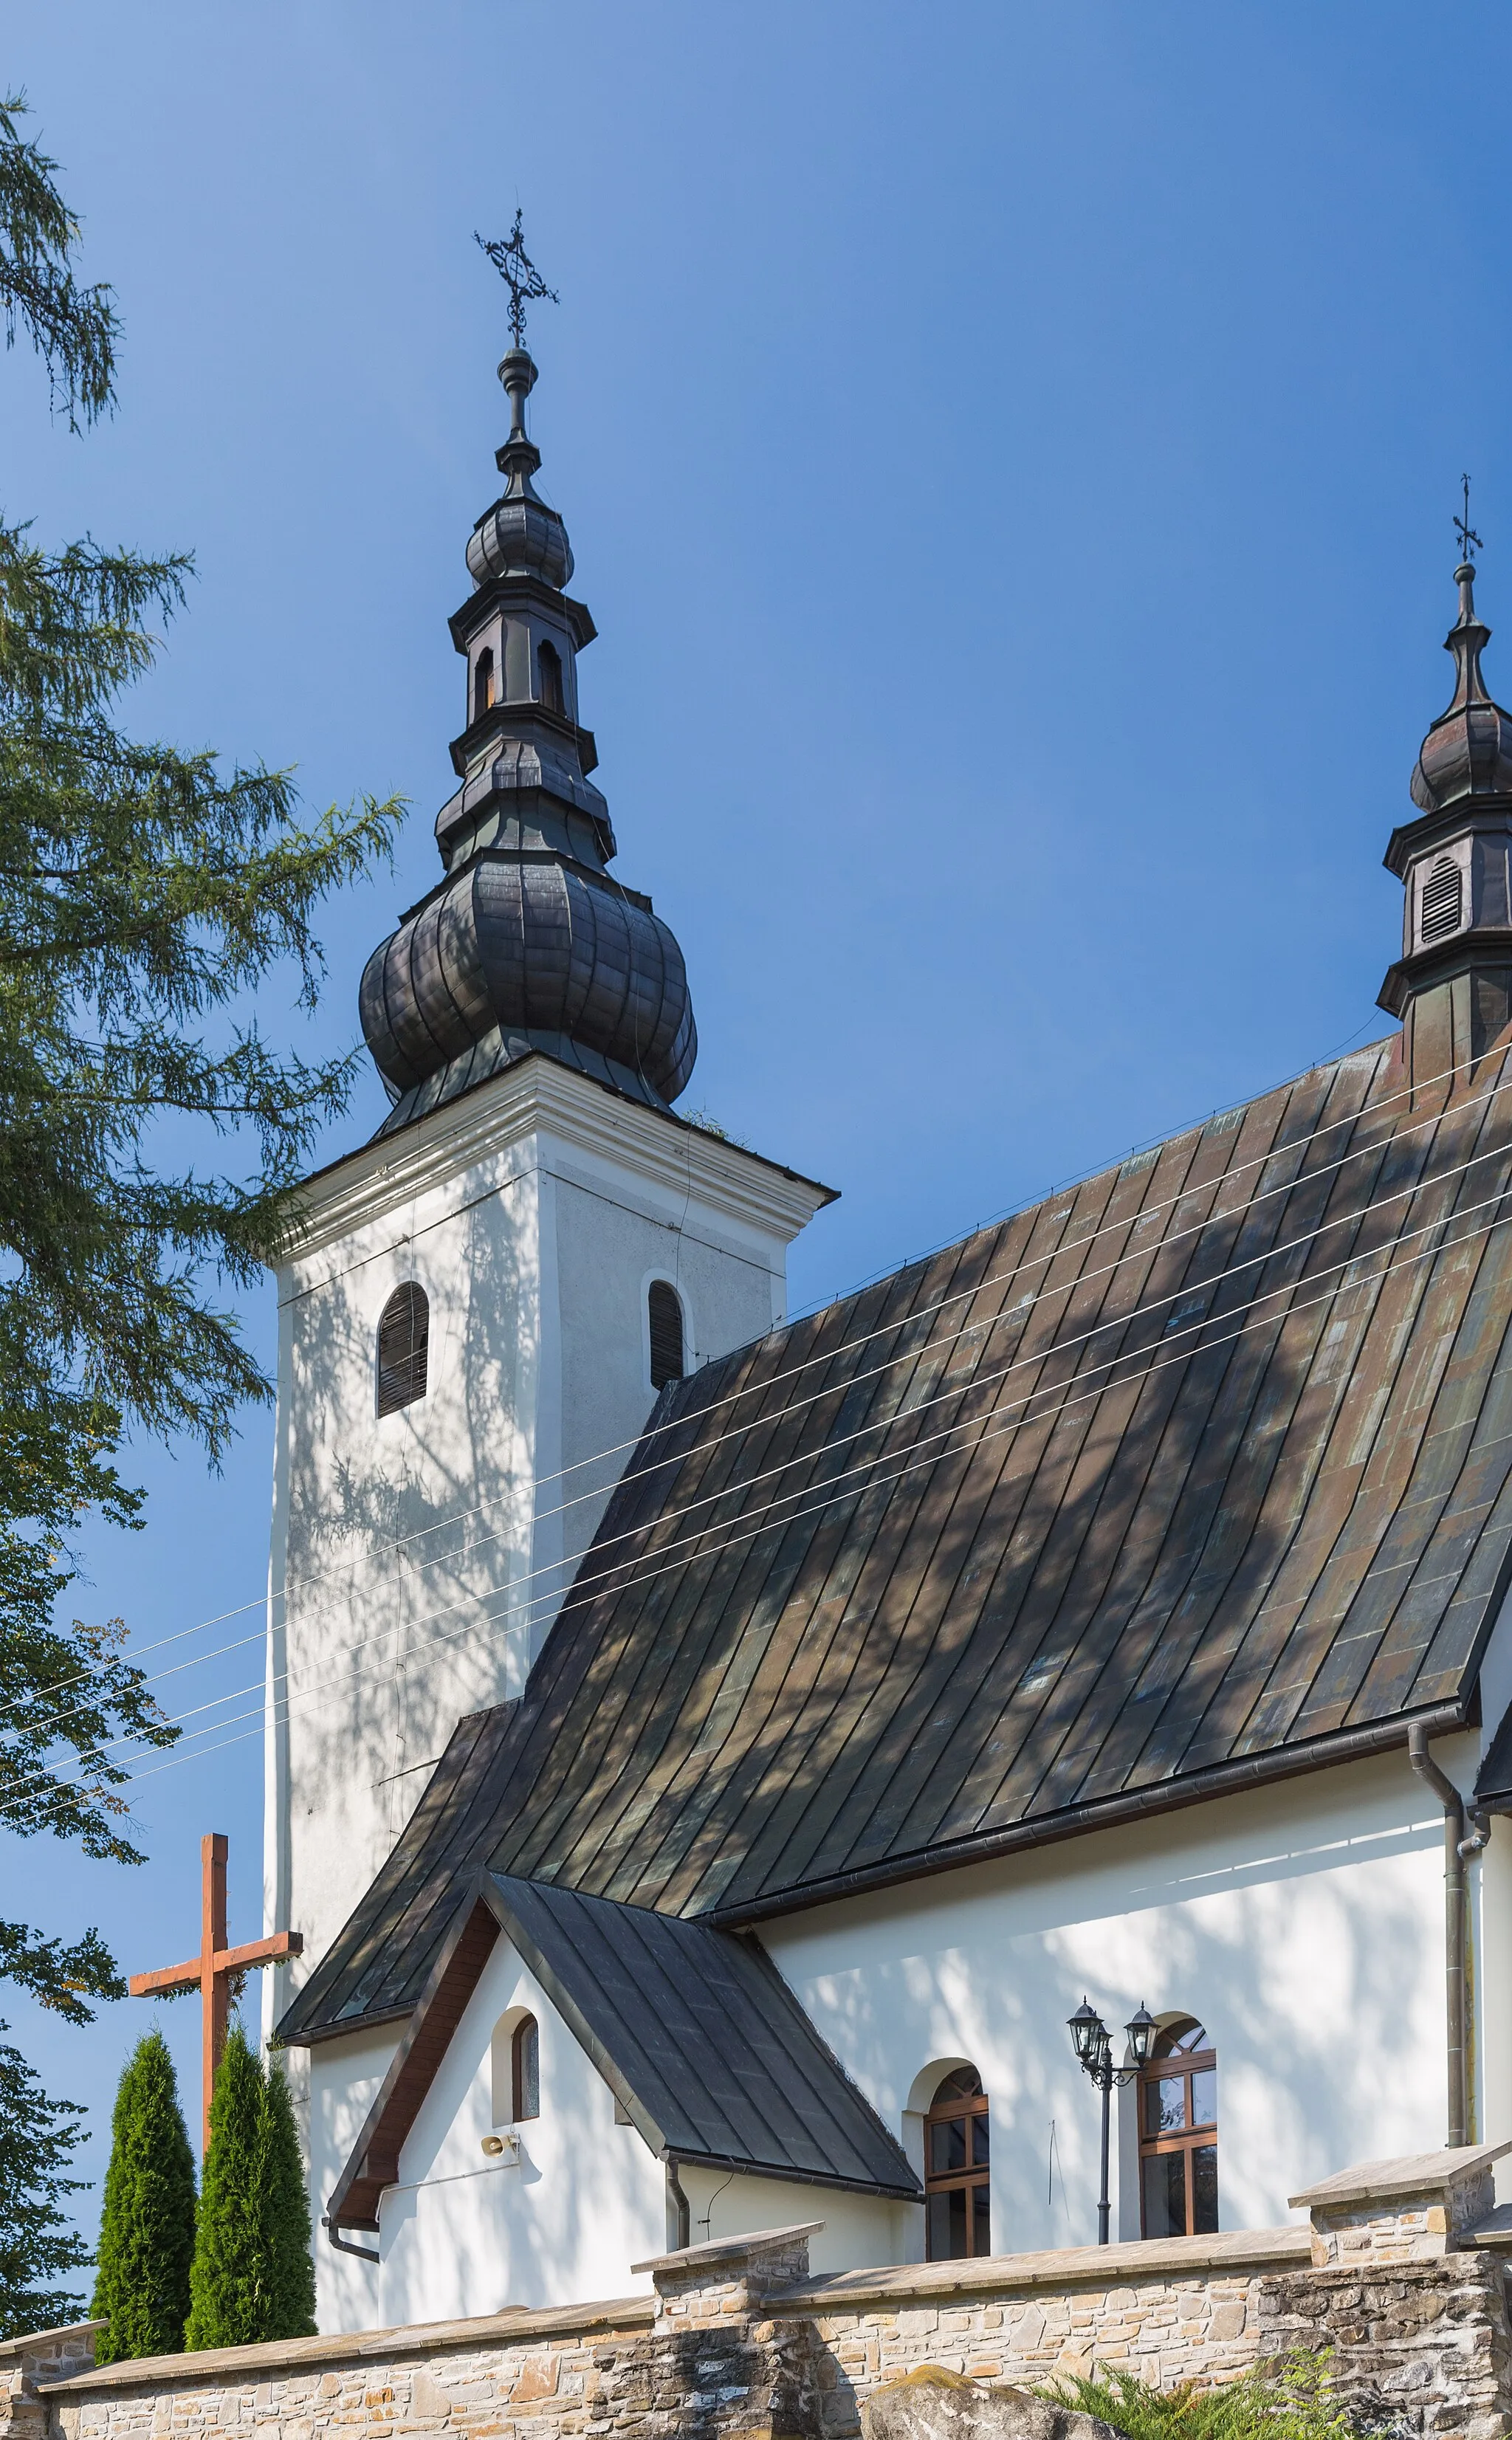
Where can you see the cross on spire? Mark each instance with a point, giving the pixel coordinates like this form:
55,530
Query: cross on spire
218,1972
1470,540
519,273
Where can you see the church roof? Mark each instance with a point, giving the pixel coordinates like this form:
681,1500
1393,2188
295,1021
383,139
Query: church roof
1195,1475
695,2032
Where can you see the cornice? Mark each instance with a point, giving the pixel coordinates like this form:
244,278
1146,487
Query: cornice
537,1096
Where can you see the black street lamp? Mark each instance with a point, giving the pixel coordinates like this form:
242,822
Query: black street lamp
1095,2049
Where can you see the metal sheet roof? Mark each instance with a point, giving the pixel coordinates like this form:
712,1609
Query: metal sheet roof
1197,1472
702,2040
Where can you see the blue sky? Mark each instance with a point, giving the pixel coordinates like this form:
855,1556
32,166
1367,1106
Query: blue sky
1010,454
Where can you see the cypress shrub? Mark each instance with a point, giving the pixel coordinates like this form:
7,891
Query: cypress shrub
225,2281
253,2278
289,2298
146,2229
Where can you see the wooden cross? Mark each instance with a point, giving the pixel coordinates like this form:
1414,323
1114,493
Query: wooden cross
211,1972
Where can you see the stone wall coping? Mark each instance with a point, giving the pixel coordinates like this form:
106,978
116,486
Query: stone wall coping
12,2348
1413,2173
518,2324
1495,2230
760,2240
1105,2266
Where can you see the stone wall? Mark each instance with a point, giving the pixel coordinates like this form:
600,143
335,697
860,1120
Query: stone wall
1396,2274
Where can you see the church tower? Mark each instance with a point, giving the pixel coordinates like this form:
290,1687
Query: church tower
479,1308
1452,984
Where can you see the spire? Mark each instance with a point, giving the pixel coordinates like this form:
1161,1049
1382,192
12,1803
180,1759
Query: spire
1468,752
1452,984
528,945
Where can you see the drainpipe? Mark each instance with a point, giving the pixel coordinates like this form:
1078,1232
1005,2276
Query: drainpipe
682,2210
1459,1845
344,2244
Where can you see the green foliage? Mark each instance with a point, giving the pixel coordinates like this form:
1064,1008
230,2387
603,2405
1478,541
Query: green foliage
1289,2398
144,892
74,330
147,2227
252,2278
289,2275
37,2139
225,2278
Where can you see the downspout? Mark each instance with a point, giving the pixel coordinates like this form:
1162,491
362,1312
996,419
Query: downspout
1458,1846
682,2208
344,2244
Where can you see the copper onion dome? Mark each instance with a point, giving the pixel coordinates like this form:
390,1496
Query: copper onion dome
1468,752
528,943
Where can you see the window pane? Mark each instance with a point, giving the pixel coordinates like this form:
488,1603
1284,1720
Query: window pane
978,2141
1165,2106
947,2145
1166,2193
527,2070
947,2225
981,2222
1205,2190
1205,2097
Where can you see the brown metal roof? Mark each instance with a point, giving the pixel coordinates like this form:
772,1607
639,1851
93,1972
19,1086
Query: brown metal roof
1195,1473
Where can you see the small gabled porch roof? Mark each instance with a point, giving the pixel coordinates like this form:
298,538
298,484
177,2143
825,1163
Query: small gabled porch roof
692,2029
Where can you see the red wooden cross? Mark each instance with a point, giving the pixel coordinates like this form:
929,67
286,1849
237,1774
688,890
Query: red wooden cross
211,1972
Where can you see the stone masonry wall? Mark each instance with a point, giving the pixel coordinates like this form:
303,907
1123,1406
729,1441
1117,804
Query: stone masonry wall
738,2342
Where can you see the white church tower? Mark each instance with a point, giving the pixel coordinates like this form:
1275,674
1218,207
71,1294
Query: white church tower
479,1308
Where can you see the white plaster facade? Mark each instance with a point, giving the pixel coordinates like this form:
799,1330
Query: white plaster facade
1304,1923
418,1559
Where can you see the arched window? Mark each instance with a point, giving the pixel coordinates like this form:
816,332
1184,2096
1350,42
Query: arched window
957,2218
403,1341
1179,2133
525,2071
1441,908
482,683
664,1308
550,667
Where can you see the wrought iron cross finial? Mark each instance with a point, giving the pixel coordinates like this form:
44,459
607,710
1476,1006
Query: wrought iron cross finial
1470,540
519,273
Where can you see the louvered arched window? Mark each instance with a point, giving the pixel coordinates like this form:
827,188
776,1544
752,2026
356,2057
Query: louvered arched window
482,683
403,1342
664,1311
551,663
1441,908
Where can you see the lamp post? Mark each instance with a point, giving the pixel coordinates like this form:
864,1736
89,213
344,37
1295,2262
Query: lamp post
1094,2050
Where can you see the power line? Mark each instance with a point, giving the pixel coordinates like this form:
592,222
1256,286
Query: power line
928,1349
906,1322
992,1429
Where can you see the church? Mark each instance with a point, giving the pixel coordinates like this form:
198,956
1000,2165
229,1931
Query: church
711,1759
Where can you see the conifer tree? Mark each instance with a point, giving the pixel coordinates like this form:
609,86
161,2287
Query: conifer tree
289,2299
147,2230
37,2139
144,894
227,2282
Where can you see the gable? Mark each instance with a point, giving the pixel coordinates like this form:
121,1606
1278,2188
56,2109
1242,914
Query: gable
1196,1474
692,2029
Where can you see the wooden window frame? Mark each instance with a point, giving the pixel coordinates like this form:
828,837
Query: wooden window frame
526,2029
1192,2136
942,2181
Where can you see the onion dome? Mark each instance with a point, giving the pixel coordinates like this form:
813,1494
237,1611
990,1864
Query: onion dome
1468,752
528,943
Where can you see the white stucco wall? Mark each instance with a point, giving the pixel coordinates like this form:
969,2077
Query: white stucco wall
1303,1924
417,1558
338,2084
461,2234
